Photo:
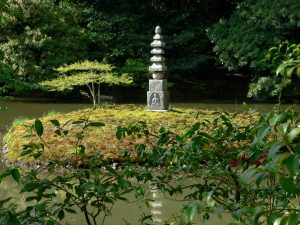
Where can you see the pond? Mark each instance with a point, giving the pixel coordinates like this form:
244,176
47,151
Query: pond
162,207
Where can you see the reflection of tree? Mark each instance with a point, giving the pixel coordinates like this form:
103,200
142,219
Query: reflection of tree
9,186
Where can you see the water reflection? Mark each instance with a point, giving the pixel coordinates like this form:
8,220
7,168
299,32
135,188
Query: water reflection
156,204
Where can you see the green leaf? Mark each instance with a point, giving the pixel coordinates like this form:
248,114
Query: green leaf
58,132
31,198
124,184
69,210
4,219
61,214
38,126
15,174
190,212
290,71
119,134
26,152
81,149
274,148
30,187
14,220
293,219
261,177
274,119
292,163
100,188
247,176
3,201
55,122
49,222
111,170
293,134
96,124
288,185
262,132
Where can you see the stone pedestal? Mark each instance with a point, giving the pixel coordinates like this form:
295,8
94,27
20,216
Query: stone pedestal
158,96
158,100
157,85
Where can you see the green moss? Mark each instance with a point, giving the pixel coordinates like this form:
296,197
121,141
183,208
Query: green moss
19,121
102,139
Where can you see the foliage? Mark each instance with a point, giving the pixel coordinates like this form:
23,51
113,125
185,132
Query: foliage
8,83
92,192
283,61
137,68
250,171
255,26
89,74
41,36
256,183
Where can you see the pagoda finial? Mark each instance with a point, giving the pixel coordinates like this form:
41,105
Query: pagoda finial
158,67
157,30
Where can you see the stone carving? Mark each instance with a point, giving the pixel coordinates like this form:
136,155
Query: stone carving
158,95
154,98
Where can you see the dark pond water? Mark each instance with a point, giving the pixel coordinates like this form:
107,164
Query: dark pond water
162,208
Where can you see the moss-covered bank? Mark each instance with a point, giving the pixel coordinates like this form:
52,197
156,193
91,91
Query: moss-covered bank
103,139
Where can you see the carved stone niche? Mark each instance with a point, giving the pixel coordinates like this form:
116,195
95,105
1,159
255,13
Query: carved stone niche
158,100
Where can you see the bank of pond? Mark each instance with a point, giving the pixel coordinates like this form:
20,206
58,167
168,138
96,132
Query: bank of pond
243,166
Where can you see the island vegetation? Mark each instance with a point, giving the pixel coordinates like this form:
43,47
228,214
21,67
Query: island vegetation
245,165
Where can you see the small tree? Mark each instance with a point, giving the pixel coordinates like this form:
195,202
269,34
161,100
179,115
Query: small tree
91,74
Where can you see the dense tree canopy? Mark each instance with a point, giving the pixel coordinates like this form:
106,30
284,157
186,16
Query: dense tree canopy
255,26
46,34
37,36
42,36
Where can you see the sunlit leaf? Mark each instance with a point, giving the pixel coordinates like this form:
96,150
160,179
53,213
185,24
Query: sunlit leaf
248,176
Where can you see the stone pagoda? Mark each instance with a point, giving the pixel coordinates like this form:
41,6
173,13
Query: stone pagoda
158,95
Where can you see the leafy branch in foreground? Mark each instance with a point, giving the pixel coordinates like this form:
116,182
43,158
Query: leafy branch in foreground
284,62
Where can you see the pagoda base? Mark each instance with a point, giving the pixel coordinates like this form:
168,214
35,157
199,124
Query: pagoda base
158,100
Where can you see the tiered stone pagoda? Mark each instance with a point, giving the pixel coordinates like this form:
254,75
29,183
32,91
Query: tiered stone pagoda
158,95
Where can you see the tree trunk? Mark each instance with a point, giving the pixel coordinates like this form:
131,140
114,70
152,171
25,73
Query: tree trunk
92,94
99,100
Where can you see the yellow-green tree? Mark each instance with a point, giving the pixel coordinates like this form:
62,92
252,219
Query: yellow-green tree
89,74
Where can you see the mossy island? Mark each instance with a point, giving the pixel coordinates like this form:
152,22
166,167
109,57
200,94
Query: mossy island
102,140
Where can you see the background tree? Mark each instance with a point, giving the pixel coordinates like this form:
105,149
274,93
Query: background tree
41,36
243,39
128,26
90,74
284,62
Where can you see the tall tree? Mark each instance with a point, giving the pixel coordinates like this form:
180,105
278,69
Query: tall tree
255,26
42,36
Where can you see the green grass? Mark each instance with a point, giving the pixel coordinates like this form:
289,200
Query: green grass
20,121
52,113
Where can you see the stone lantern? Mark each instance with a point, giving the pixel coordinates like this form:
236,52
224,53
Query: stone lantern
158,95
